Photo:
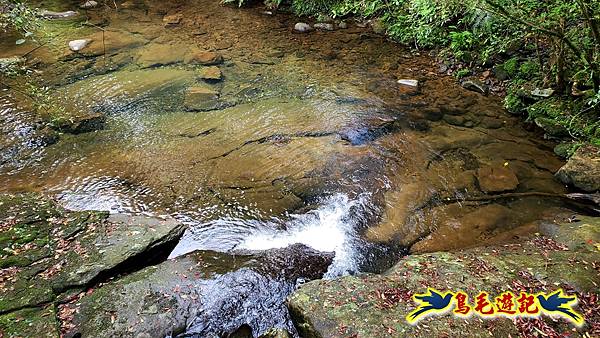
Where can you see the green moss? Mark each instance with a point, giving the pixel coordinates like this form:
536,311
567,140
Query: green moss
528,70
514,104
551,108
511,67
462,73
30,323
566,150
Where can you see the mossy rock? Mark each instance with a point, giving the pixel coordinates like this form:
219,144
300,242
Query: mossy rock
377,305
37,322
48,250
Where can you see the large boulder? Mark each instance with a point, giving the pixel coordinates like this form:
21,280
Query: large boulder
35,322
583,169
48,251
203,294
377,305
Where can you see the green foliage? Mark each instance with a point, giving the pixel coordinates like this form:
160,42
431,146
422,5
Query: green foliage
580,123
18,16
462,73
462,43
528,70
511,66
513,103
426,23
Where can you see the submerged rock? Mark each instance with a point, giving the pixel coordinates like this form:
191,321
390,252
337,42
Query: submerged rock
432,114
155,54
462,228
583,169
205,58
454,120
324,26
112,42
82,124
496,179
302,27
212,73
491,123
201,99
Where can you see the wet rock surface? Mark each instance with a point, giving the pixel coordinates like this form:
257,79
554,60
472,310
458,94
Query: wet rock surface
205,58
48,251
583,169
154,55
201,99
383,301
212,73
82,124
497,179
201,294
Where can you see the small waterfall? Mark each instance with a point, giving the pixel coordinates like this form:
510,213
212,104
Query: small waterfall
331,227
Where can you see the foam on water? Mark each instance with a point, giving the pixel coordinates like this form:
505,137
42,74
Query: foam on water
331,227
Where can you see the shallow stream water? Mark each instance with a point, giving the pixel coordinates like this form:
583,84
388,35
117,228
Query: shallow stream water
313,140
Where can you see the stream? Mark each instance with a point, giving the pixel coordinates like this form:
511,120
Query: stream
307,138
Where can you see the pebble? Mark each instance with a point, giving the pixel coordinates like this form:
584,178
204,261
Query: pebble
77,45
408,82
302,27
89,4
324,26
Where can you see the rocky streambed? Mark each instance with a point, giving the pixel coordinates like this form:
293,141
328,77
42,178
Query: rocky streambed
197,170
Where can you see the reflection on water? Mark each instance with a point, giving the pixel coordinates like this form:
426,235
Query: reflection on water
20,143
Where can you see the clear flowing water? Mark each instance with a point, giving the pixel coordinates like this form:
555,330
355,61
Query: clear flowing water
313,141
